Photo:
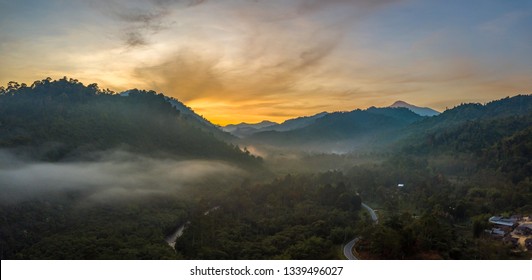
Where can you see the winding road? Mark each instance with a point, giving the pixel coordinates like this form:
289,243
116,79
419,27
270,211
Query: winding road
348,248
172,238
371,213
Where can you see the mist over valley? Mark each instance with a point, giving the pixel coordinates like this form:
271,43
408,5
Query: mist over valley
87,173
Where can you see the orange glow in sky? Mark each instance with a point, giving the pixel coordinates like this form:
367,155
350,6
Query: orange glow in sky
246,61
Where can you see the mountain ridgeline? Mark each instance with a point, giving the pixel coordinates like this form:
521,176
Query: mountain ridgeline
59,119
398,126
470,127
496,135
422,111
165,171
62,119
342,131
246,129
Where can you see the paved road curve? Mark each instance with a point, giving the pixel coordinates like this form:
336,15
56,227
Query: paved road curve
371,213
172,238
348,248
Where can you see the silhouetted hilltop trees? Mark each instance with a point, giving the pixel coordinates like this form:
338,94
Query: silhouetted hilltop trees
53,120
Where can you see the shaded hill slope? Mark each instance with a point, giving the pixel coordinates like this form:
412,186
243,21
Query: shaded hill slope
53,120
343,130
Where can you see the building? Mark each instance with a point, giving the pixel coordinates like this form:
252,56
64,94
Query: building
524,229
514,241
503,222
496,232
528,243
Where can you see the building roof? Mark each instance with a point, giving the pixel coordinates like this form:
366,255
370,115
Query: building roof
501,221
529,226
497,231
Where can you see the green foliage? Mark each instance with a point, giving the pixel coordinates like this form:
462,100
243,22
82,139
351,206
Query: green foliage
286,219
468,137
480,223
458,169
55,120
512,155
73,228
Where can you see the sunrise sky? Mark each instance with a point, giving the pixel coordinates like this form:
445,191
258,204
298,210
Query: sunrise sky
250,60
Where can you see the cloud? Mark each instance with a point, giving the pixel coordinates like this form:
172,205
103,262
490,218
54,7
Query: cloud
114,175
141,19
187,3
270,51
135,38
312,6
504,22
248,60
193,77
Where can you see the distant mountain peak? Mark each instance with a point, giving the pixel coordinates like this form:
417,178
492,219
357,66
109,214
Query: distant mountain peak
244,129
261,124
247,129
422,111
400,103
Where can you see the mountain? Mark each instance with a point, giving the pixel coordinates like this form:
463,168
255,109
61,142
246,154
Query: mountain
466,128
422,111
296,123
342,131
63,119
246,129
519,105
191,116
188,114
470,128
496,136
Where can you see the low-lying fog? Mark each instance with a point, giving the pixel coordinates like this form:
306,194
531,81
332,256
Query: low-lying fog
116,174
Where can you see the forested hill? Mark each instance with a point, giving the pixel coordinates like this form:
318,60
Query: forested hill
193,118
344,130
519,105
495,135
54,120
471,127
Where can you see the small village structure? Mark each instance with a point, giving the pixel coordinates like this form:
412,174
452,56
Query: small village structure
516,231
503,222
528,243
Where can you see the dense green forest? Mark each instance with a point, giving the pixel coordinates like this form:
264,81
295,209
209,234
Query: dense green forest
55,120
66,227
293,217
456,170
435,216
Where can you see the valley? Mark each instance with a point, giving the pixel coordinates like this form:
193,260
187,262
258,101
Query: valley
93,174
